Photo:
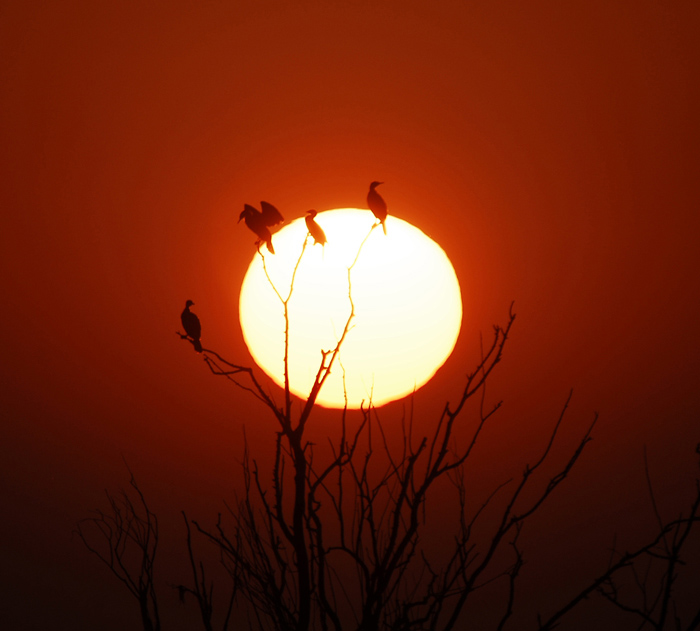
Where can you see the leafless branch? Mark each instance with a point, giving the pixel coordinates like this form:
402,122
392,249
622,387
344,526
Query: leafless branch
125,539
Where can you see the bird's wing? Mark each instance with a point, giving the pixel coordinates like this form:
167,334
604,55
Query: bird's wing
376,202
191,324
251,210
320,235
270,214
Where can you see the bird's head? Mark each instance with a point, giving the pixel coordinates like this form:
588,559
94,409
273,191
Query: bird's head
311,213
248,210
189,303
374,185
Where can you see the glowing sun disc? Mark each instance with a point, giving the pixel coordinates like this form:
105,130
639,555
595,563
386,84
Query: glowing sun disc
408,308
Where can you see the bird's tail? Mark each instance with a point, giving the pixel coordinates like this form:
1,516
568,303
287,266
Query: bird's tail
384,226
269,245
197,346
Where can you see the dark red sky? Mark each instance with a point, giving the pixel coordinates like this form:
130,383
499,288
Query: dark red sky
552,149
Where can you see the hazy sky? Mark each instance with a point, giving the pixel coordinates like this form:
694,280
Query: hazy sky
551,149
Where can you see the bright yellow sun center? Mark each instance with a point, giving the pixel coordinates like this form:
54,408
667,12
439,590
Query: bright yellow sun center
408,308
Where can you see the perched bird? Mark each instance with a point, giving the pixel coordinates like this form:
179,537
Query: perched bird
193,328
259,222
314,229
376,204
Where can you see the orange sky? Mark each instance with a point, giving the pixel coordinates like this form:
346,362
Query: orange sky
552,149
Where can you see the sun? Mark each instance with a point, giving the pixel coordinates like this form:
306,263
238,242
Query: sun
406,297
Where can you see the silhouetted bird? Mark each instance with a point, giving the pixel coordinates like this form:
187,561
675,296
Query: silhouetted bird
314,229
258,221
193,328
376,204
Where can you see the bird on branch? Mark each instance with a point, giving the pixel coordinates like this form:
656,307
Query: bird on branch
192,326
314,229
376,204
259,222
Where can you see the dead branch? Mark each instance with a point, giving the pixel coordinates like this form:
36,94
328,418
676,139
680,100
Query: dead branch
125,539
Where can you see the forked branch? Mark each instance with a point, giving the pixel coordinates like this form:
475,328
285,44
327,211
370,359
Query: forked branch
125,539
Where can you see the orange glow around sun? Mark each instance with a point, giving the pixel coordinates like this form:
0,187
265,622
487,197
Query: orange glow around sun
408,308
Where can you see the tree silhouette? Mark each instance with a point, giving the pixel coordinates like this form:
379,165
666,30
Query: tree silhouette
339,538
125,539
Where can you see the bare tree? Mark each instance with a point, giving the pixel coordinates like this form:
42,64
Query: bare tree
339,537
360,513
203,589
125,539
